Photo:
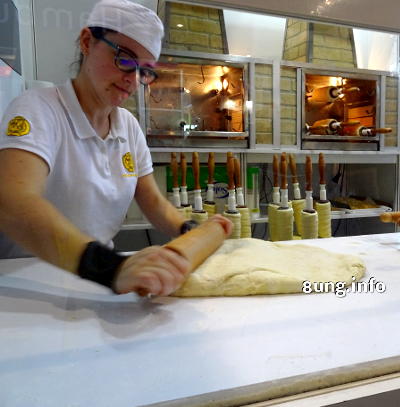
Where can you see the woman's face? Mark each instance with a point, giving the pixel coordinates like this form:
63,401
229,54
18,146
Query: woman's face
110,85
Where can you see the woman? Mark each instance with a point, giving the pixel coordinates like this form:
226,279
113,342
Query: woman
71,161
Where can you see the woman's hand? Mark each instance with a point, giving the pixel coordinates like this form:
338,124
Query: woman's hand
224,222
154,270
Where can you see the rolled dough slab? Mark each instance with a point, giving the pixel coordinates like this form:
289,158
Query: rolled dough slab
252,266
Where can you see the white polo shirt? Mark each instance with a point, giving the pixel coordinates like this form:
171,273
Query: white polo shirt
91,181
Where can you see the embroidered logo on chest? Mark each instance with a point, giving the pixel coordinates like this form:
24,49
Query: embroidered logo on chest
128,164
18,127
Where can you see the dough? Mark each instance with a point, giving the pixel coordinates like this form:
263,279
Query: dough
253,266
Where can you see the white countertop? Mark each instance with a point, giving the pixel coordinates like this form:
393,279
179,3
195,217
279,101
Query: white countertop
66,342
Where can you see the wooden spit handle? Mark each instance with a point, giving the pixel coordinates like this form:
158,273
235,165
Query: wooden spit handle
211,168
293,168
238,182
325,126
308,173
321,167
352,89
390,217
174,169
196,245
230,168
283,171
196,170
382,130
275,170
183,169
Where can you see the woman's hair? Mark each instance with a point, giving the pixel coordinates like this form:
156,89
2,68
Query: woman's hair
97,32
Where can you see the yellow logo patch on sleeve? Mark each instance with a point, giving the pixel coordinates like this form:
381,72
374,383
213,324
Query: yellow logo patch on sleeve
128,163
18,127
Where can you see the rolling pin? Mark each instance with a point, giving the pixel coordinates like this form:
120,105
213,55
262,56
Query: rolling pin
196,245
199,243
390,217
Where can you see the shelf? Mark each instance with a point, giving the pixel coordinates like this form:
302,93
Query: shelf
343,215
134,224
325,138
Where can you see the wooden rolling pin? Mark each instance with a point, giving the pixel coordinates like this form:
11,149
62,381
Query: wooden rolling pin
390,217
199,243
196,245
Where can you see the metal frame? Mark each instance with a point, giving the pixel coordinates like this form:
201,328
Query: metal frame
310,42
276,104
367,142
225,46
381,95
299,93
300,66
252,98
199,57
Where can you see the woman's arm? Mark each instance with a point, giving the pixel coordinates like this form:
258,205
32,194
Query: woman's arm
161,213
34,223
29,219
158,210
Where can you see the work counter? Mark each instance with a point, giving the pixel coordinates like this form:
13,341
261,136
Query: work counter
67,342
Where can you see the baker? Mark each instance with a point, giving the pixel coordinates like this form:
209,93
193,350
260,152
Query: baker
72,160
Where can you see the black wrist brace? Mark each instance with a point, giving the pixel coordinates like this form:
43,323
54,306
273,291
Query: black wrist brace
188,225
98,263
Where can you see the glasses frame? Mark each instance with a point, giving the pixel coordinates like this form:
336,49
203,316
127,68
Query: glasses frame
143,70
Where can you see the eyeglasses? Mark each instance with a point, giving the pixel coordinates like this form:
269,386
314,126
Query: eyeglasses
128,63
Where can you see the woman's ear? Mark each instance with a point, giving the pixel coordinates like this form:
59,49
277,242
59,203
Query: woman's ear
84,40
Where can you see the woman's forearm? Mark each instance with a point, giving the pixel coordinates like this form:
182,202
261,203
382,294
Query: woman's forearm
35,224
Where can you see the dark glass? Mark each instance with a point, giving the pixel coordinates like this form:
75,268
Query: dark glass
128,63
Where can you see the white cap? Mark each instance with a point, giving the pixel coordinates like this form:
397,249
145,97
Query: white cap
131,19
